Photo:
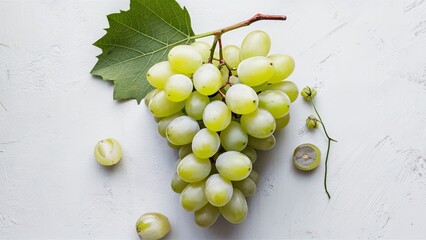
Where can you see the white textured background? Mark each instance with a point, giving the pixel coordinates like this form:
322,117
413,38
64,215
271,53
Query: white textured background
367,59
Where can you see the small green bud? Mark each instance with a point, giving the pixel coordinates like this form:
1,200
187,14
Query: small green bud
308,93
312,122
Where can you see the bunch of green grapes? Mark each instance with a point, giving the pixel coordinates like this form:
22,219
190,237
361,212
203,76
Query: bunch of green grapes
219,108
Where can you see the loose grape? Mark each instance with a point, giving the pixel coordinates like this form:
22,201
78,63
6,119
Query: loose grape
306,157
178,88
205,143
241,99
206,216
236,210
233,138
256,43
158,74
288,87
247,186
255,71
152,226
193,169
108,152
216,116
262,144
218,190
284,66
182,130
233,165
185,58
260,123
276,102
195,105
192,197
178,184
160,106
207,79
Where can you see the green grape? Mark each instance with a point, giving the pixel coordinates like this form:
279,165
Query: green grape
236,210
215,60
185,150
207,79
206,216
284,66
205,143
178,184
247,186
158,74
231,55
306,157
255,71
218,190
216,116
150,95
160,106
287,87
233,138
262,144
185,58
157,119
108,152
182,130
178,88
192,197
260,123
152,226
234,80
256,43
282,122
241,99
260,87
276,102
171,145
233,165
203,49
215,97
250,153
254,176
195,105
225,75
193,169
164,123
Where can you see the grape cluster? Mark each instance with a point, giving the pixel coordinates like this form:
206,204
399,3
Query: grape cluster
218,108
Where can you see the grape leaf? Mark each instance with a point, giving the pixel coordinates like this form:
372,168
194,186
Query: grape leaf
136,40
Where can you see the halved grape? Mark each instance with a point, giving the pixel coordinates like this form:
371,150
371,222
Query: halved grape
255,71
178,88
152,226
233,138
160,106
158,74
236,210
185,58
256,43
217,116
206,216
182,130
260,123
275,101
306,157
205,143
218,190
192,197
241,99
288,87
108,152
233,165
193,169
207,79
284,66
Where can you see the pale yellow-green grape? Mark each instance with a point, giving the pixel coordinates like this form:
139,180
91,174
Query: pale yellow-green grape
178,184
233,138
206,216
260,87
108,152
254,176
193,169
256,43
288,87
149,96
178,88
262,144
185,150
233,165
160,106
260,123
182,130
234,80
216,97
192,197
284,66
159,73
216,116
276,102
250,153
231,55
185,58
255,71
241,99
236,210
246,186
164,123
207,79
306,157
203,49
195,104
225,75
152,226
218,190
282,122
205,143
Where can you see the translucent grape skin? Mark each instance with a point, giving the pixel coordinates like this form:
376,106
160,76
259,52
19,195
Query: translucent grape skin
250,153
207,79
193,169
241,99
203,49
177,184
247,186
160,106
164,123
256,43
288,87
182,130
236,210
233,165
158,74
108,152
217,116
260,123
206,216
263,144
192,197
282,122
233,138
185,58
231,55
205,143
255,71
284,66
178,87
276,102
218,190
152,226
195,105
